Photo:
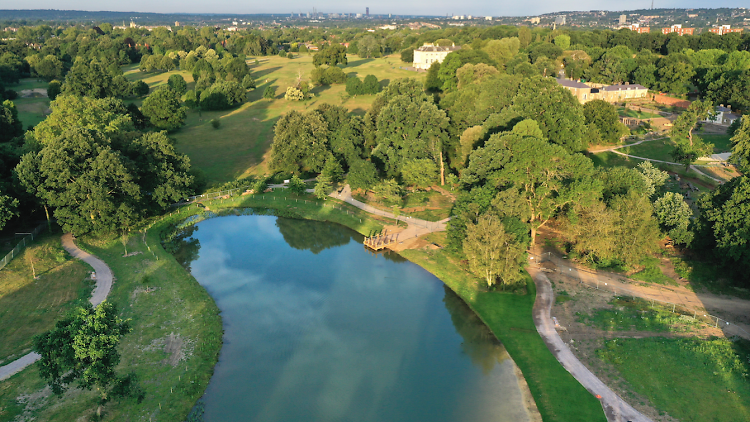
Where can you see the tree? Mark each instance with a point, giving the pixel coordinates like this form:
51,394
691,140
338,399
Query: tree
8,209
293,94
741,145
604,116
354,86
300,142
724,224
563,41
248,82
140,88
10,126
370,85
558,113
222,95
407,56
524,36
163,109
332,170
323,187
105,115
502,50
269,93
82,348
331,55
388,190
432,82
88,79
534,179
653,178
492,252
53,89
297,185
362,174
368,47
453,61
690,147
674,216
177,83
49,68
419,173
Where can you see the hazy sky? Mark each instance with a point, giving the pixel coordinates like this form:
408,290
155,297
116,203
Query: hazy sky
421,7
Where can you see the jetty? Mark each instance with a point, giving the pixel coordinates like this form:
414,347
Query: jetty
380,241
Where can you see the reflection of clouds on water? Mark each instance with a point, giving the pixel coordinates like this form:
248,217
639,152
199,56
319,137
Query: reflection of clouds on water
337,335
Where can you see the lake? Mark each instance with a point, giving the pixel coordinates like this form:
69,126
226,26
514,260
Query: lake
316,328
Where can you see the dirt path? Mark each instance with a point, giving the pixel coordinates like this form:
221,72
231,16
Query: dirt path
615,408
103,276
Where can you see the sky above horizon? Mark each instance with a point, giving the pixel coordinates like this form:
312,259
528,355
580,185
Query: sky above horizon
382,7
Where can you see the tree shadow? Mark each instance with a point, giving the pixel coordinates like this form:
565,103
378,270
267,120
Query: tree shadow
261,73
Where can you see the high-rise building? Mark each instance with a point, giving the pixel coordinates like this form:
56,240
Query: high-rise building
367,12
623,19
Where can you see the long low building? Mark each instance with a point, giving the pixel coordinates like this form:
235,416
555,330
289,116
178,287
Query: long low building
611,93
428,54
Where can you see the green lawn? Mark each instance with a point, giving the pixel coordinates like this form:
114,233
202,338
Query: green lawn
694,380
31,306
611,159
239,147
722,143
557,394
658,149
635,314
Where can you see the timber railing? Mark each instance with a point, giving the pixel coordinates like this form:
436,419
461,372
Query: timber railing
27,239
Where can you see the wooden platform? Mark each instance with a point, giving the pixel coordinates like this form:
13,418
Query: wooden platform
380,241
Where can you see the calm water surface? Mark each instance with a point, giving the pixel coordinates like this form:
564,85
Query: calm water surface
319,329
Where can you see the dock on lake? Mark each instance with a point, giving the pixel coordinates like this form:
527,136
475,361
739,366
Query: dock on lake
380,241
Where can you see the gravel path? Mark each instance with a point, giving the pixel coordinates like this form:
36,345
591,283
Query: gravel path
615,408
103,276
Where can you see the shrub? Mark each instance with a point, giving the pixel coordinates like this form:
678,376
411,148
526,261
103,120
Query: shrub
215,123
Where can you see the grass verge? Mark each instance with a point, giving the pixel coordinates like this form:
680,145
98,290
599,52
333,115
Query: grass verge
636,314
691,379
558,395
31,306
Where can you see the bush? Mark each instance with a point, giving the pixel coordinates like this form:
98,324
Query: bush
223,95
215,123
354,86
269,93
248,82
177,83
53,89
140,88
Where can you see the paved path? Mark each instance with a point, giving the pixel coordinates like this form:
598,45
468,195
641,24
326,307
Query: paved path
615,408
103,285
416,227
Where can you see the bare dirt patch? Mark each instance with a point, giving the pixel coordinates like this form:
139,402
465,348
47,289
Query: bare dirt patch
33,93
175,346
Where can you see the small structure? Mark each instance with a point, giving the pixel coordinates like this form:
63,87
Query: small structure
380,241
677,29
722,116
429,53
724,29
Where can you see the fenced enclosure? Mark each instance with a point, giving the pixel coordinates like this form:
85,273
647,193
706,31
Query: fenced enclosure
27,239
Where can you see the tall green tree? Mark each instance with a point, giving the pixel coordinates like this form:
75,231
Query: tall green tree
331,55
10,126
82,348
300,142
674,216
89,79
689,146
493,253
177,82
534,179
163,109
604,116
741,145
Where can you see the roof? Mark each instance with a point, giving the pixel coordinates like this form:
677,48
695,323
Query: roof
437,48
724,109
620,87
571,84
731,116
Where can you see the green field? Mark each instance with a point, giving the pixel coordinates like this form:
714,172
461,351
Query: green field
557,394
722,143
693,380
630,313
238,148
31,110
658,149
31,306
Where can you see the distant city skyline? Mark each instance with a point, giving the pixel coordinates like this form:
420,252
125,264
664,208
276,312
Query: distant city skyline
382,7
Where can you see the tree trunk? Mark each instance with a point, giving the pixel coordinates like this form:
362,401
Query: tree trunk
442,170
49,224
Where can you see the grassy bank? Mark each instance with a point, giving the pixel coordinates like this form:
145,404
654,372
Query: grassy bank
31,306
558,395
691,379
177,330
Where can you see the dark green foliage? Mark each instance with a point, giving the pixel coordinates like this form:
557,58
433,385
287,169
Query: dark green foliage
297,185
53,89
163,109
222,95
10,126
544,49
248,82
139,120
353,86
140,88
370,85
89,79
215,123
300,143
177,82
604,117
407,56
83,347
269,93
331,55
453,61
432,82
327,76
362,174
741,144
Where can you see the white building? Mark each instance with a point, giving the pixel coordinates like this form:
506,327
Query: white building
722,116
428,54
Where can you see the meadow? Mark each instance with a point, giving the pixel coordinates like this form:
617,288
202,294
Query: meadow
238,148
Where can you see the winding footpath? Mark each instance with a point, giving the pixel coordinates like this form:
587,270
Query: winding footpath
615,408
103,276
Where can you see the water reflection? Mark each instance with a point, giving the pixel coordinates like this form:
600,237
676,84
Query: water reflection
184,246
321,333
479,344
314,236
